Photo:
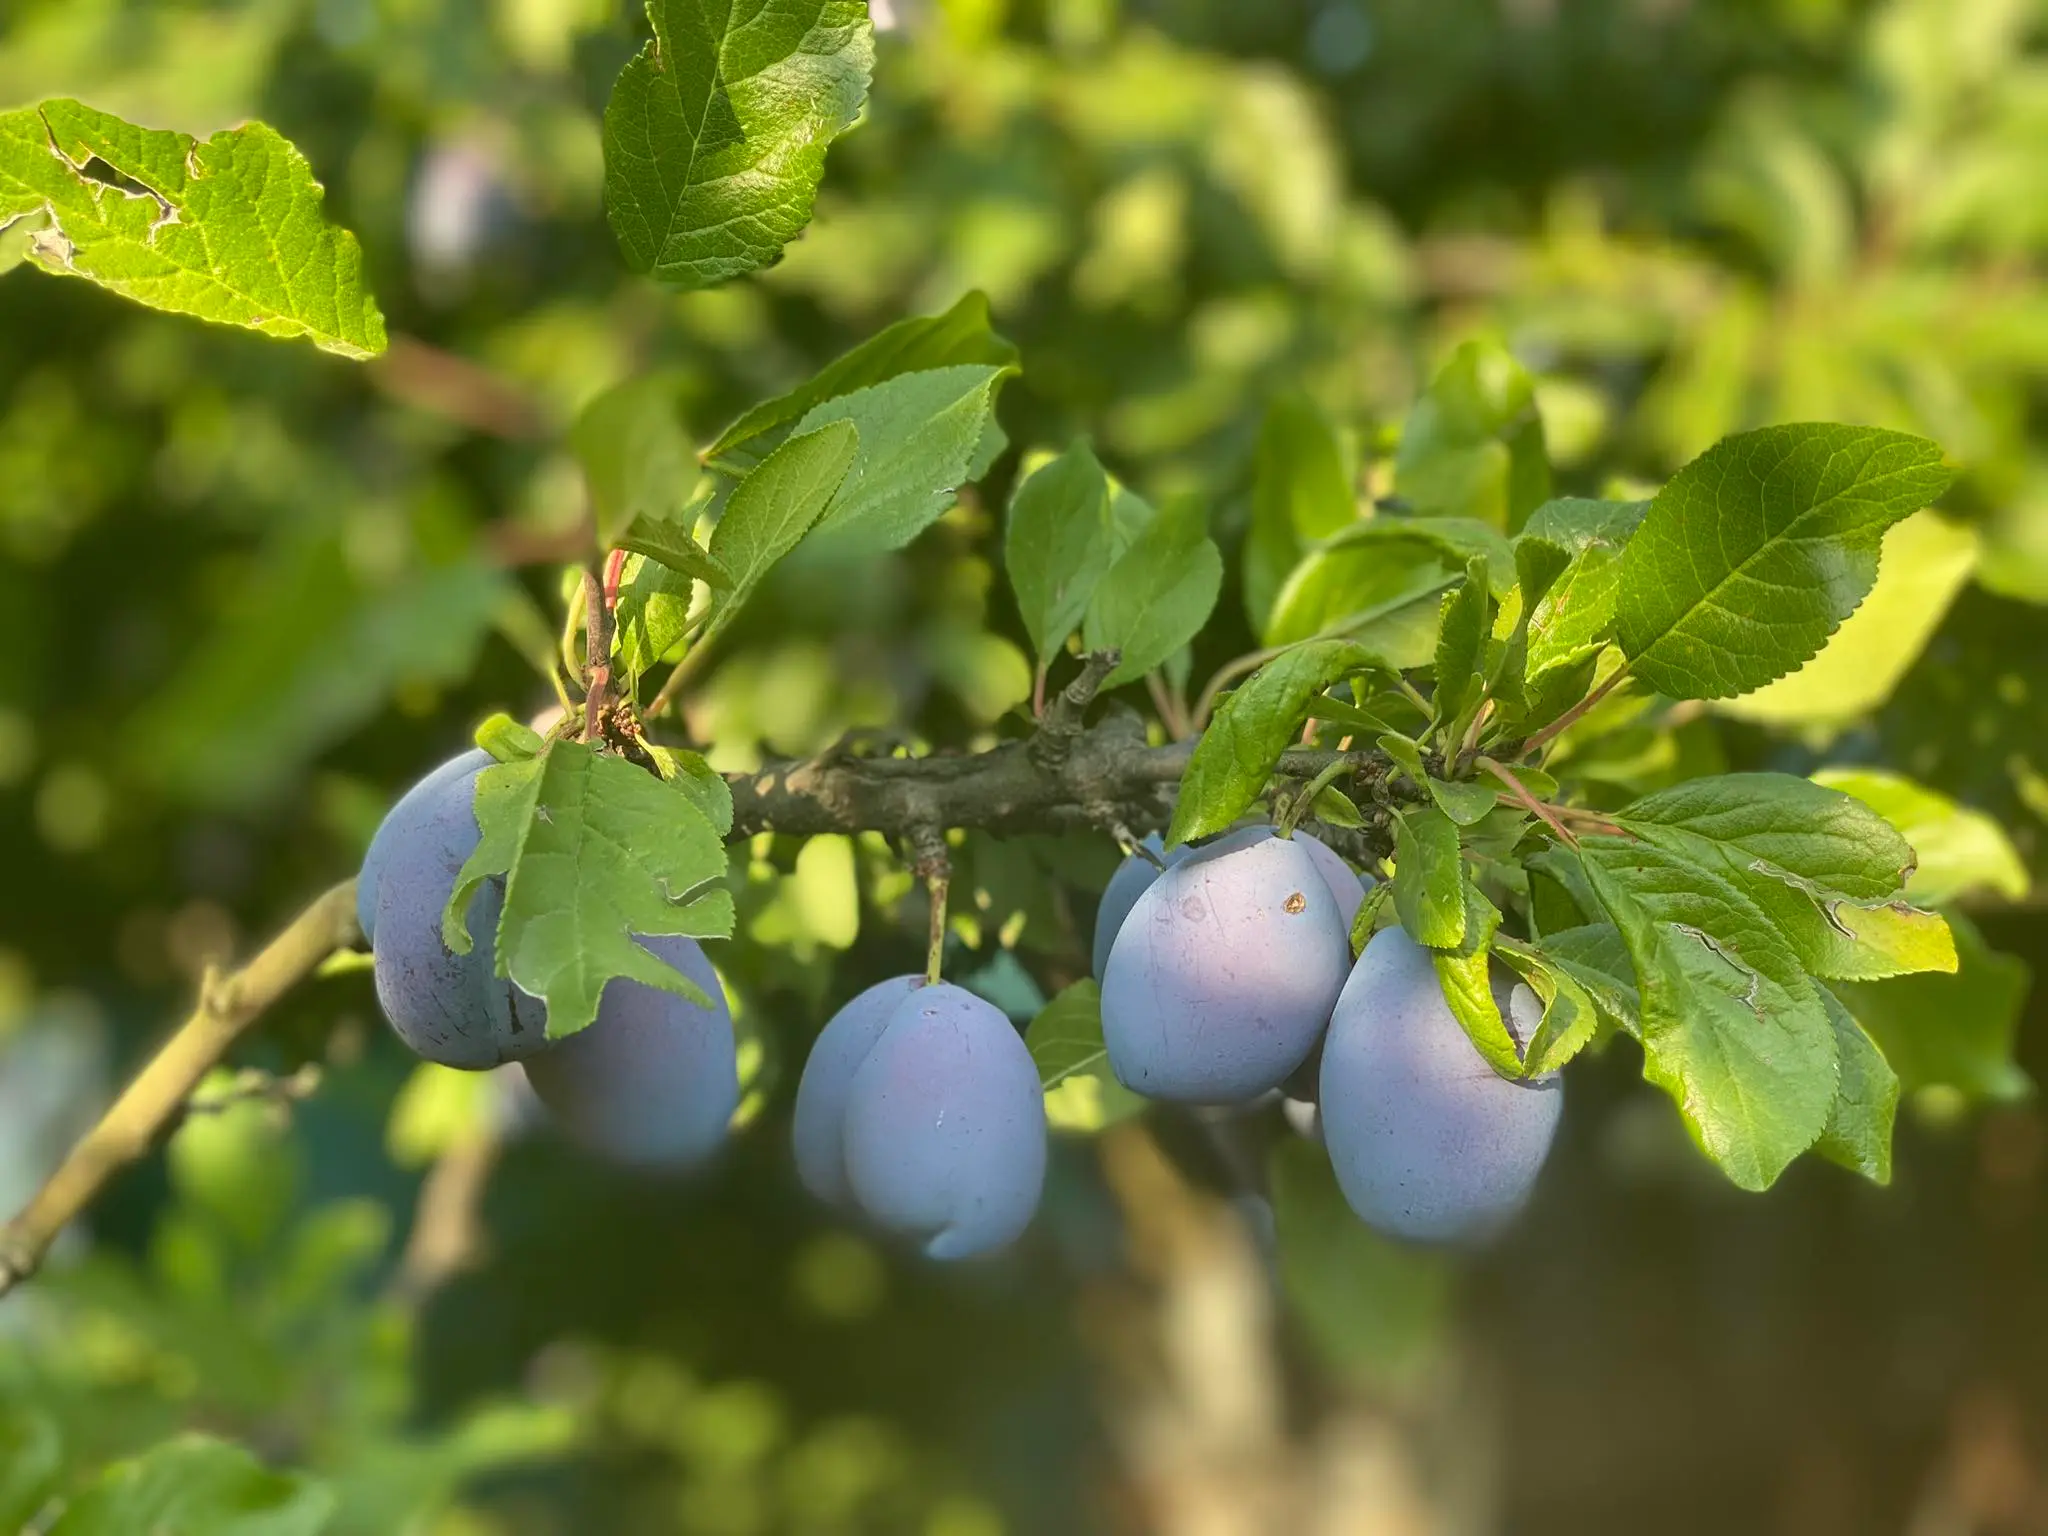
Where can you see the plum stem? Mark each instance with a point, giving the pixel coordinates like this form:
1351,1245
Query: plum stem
160,1093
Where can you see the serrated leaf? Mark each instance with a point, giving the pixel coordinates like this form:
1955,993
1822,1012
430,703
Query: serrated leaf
1429,878
1955,1032
655,605
1754,552
1859,1129
1574,619
1473,445
1596,956
1465,977
1959,851
1821,865
636,458
1461,645
1082,1093
593,851
918,345
197,1486
918,434
670,545
1253,726
1301,494
1570,1016
1057,546
716,131
1730,1025
1926,561
1464,801
771,510
1158,593
230,230
1366,919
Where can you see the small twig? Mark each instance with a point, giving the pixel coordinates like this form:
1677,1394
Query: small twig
227,1006
597,654
1172,713
1576,713
1229,672
571,622
1066,716
1038,692
443,384
1529,802
253,1084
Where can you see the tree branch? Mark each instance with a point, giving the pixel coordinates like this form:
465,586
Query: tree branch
227,1006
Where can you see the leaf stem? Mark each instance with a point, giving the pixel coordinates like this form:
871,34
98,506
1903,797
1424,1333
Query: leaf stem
1285,823
1577,712
1529,802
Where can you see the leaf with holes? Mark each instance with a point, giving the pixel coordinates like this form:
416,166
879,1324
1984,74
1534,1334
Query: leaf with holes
229,230
716,131
594,851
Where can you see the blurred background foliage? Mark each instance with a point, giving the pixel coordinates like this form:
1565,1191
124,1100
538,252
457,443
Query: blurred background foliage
247,591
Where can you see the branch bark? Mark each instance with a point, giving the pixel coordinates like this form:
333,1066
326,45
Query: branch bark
228,1005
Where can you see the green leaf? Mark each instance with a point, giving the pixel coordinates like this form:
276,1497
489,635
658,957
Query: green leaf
508,740
1730,1025
655,603
1461,645
771,510
716,131
1597,958
636,458
1429,878
1926,561
1950,1032
1465,976
1465,802
1367,918
1159,592
1859,1129
1757,549
918,434
1379,1310
1570,1019
1082,1094
229,230
594,851
1960,851
1821,865
1379,580
31,1457
1301,494
1473,445
1570,618
1253,725
670,545
1057,546
922,344
196,1486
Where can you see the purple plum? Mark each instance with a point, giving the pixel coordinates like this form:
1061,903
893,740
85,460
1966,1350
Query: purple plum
1224,974
1133,878
1346,884
399,823
842,1045
1428,1141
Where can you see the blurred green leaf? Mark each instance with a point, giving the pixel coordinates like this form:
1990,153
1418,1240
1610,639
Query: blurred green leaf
636,458
31,1457
769,512
1959,851
1859,1129
196,1486
1755,551
1082,1094
716,131
1301,495
230,230
1473,445
594,852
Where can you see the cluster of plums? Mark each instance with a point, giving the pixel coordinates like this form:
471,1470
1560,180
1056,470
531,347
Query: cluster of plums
1223,973
1225,968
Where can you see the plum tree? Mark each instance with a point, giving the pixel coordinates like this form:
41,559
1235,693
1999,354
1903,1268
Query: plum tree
1345,883
945,1134
654,1079
819,1127
401,822
1427,1140
1224,974
1133,878
452,1009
